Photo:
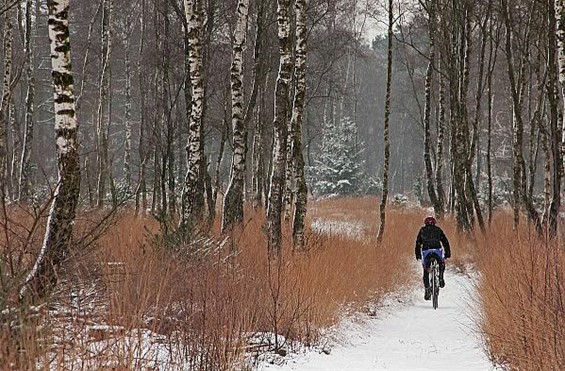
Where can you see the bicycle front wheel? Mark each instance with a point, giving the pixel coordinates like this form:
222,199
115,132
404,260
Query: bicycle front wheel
434,270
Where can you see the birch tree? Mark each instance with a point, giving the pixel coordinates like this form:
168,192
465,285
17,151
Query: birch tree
128,103
25,165
280,127
260,84
556,140
56,243
6,95
233,201
382,207
560,16
195,19
301,198
427,108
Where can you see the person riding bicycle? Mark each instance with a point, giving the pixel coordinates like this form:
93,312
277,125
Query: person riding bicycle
429,245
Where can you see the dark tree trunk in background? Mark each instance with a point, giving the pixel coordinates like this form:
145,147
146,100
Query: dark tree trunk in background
104,103
25,162
440,147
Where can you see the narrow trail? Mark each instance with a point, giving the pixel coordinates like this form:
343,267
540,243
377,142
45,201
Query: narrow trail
409,336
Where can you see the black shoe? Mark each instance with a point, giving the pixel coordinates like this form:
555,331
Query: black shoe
428,293
441,283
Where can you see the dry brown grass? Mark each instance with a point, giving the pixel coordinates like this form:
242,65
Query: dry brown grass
238,290
522,291
209,303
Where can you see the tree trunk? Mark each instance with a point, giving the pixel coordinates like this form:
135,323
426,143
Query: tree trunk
555,130
258,161
440,148
195,19
560,40
167,109
127,111
296,123
493,50
519,167
382,207
60,222
141,189
6,96
25,163
280,126
103,117
233,201
427,110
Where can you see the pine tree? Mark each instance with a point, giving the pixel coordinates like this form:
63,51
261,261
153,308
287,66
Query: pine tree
340,168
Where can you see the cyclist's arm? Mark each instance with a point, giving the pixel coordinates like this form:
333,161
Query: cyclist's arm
446,247
417,250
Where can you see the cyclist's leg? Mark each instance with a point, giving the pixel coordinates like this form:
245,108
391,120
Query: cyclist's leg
441,270
425,266
426,278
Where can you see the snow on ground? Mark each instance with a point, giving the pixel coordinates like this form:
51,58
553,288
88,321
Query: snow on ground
339,227
407,336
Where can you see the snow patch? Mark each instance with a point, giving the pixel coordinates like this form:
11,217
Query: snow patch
354,230
404,333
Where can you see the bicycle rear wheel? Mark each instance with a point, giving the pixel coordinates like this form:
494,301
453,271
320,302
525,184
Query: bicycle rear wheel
434,270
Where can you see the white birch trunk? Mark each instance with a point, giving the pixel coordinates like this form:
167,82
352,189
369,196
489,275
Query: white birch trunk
296,123
60,222
233,201
386,129
195,20
280,126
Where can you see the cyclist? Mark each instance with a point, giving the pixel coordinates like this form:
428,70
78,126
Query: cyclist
429,245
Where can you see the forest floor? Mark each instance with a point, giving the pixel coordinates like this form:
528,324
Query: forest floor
405,333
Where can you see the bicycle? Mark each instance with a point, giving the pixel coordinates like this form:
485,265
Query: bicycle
432,256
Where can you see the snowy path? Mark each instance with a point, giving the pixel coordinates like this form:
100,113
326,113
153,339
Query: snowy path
413,336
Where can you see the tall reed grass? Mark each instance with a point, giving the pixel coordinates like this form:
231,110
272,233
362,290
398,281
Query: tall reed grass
206,303
522,292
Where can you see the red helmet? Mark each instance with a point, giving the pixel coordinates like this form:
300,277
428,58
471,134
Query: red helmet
430,220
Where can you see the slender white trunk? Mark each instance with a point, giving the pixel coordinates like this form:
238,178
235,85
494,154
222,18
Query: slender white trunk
382,206
296,122
195,20
233,201
280,126
60,222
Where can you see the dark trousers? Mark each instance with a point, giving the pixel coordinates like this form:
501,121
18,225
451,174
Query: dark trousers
426,266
